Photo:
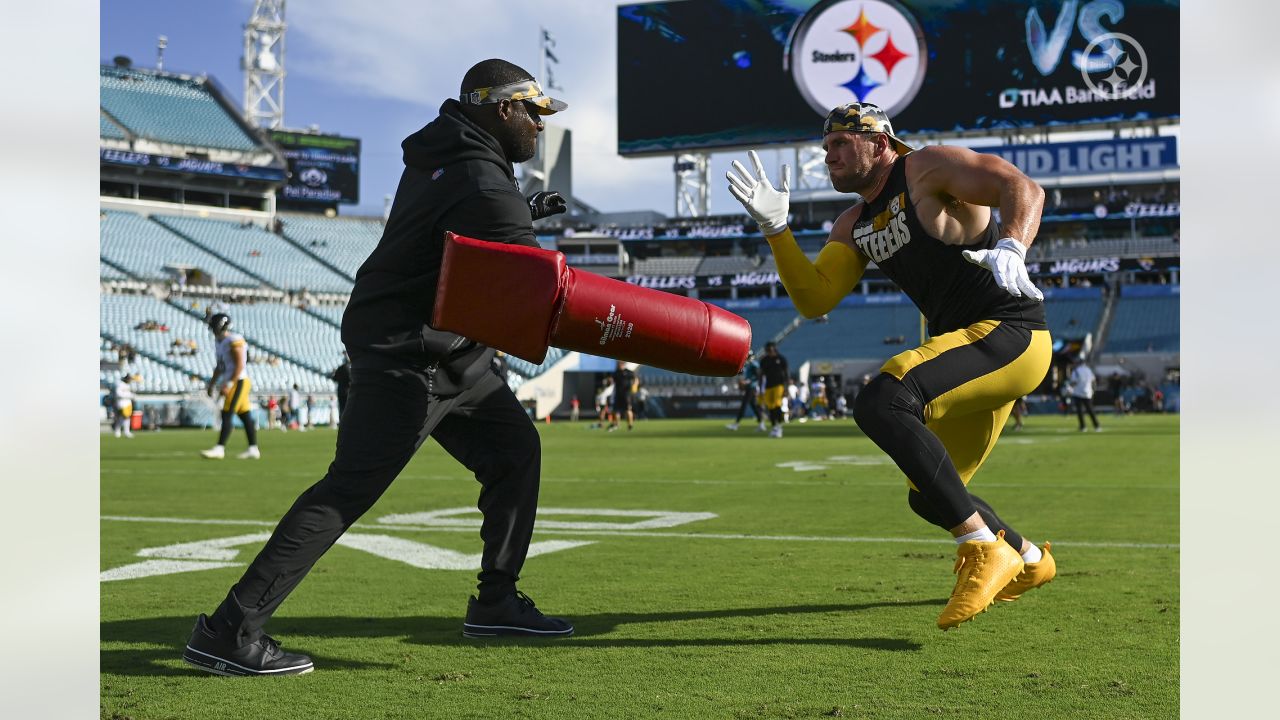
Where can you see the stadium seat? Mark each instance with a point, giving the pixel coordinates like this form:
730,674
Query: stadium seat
343,243
120,316
264,254
1074,314
1145,324
148,250
169,109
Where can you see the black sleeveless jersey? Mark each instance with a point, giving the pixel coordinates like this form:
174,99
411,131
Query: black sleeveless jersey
950,292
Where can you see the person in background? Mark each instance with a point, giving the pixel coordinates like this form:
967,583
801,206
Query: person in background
604,396
773,367
624,384
818,399
1080,386
123,406
295,408
231,381
1019,410
749,384
641,402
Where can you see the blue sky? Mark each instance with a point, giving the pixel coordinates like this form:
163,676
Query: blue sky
378,70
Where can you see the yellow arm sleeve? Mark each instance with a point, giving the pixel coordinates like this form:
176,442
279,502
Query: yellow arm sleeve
816,287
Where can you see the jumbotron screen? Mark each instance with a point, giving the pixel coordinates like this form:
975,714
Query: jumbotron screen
701,74
323,169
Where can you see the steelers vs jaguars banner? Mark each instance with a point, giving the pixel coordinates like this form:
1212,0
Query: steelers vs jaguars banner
717,74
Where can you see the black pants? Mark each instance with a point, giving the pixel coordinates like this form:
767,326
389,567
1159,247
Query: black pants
939,413
1084,405
389,415
749,401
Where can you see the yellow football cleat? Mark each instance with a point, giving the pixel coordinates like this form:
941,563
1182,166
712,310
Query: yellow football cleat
982,569
1033,575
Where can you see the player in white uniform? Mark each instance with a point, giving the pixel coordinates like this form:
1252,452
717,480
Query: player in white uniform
124,406
232,382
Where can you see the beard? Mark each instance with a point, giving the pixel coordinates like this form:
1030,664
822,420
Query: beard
849,182
843,184
525,148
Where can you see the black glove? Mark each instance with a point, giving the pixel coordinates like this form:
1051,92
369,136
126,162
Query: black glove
546,203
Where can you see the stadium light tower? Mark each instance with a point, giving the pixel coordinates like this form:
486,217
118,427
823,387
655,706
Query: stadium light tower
263,64
693,184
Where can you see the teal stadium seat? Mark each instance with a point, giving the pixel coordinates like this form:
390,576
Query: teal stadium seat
268,256
1073,312
144,248
170,109
287,331
1145,323
343,243
121,314
108,129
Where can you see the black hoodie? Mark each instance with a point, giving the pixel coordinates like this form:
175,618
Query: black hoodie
456,178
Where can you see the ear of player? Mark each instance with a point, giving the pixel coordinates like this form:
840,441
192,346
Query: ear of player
1007,262
534,300
767,205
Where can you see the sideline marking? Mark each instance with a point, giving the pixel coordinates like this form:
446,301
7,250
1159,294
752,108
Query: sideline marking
680,535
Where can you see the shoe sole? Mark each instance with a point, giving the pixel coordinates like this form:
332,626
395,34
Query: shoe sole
226,668
1011,598
958,623
489,631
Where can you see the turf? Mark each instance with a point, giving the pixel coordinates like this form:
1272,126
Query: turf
812,592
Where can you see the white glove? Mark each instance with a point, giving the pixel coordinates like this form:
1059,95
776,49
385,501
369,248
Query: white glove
766,205
1007,261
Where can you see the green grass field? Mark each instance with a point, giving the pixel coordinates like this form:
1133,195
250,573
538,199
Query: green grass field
812,591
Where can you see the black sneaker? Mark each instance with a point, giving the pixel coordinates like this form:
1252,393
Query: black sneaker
514,615
211,653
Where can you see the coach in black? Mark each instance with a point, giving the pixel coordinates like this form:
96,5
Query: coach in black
410,381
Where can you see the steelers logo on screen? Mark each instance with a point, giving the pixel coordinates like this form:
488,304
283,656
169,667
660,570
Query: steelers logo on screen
857,51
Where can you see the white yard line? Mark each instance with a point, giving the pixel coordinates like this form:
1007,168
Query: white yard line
658,534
